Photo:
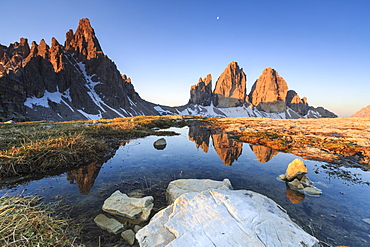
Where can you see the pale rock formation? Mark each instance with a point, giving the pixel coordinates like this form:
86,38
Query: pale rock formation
223,218
269,92
230,89
133,208
181,186
109,224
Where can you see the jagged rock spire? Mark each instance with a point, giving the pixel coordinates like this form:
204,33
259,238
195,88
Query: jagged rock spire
84,40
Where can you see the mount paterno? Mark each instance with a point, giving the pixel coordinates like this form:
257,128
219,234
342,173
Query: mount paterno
78,81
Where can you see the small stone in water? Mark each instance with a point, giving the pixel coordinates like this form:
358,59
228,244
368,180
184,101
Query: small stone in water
129,236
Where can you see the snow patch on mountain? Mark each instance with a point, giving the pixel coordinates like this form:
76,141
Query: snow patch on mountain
56,97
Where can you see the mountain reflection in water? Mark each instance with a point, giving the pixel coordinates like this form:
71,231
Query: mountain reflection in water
84,176
227,149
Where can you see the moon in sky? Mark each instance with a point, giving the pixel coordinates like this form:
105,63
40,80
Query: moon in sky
217,17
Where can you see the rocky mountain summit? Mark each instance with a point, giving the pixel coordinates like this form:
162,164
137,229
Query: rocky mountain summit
77,80
65,82
269,97
364,112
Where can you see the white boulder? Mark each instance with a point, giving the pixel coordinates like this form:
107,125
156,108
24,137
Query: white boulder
223,218
181,186
133,208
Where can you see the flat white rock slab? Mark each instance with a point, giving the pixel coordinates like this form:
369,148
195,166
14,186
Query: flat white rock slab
134,208
181,186
223,218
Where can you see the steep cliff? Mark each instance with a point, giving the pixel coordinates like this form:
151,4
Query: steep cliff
269,92
201,93
230,89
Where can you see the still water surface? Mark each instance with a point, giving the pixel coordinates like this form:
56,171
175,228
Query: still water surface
137,168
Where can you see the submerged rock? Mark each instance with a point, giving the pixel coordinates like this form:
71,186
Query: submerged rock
109,224
312,190
133,208
181,186
160,144
223,218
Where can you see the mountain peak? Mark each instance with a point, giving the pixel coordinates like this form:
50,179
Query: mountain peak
230,89
84,40
269,92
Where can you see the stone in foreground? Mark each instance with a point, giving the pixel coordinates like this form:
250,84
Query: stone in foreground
134,208
223,218
181,186
108,224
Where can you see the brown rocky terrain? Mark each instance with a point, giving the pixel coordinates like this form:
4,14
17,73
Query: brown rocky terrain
340,141
364,112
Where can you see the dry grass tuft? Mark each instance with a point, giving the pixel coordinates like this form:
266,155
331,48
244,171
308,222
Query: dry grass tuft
24,221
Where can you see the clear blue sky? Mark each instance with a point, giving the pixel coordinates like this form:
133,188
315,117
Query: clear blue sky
320,47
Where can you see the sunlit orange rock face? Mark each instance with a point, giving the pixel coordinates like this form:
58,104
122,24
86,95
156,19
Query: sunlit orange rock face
295,169
293,196
84,40
228,150
263,153
84,177
230,89
269,92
